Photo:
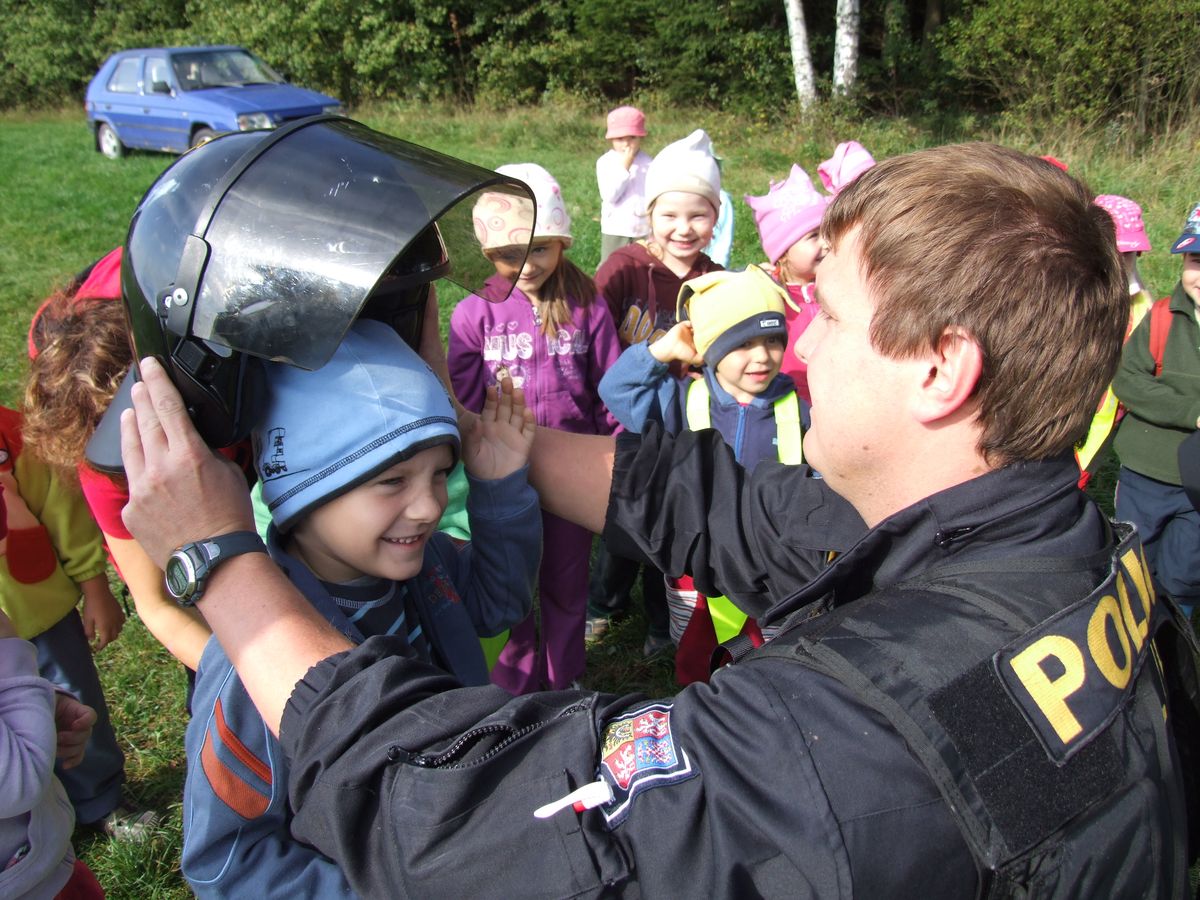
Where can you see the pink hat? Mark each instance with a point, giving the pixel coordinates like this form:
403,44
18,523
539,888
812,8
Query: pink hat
1127,217
789,211
850,159
626,121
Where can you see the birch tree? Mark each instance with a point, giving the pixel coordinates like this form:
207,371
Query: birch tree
802,69
845,47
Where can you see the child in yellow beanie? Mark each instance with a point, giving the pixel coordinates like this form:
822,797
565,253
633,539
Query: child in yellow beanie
732,324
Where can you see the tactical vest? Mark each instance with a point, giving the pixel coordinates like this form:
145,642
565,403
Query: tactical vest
1045,726
727,619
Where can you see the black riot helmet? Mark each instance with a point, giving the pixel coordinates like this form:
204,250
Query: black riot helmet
268,245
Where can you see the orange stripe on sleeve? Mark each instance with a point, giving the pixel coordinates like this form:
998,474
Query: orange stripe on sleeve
238,749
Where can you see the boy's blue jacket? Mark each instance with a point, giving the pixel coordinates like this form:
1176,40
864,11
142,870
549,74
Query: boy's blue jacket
235,811
638,388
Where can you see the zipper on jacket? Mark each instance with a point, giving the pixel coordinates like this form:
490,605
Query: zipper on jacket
445,759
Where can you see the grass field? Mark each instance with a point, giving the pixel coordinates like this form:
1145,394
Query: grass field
65,205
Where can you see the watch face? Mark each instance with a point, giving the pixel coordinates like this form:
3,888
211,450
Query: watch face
180,576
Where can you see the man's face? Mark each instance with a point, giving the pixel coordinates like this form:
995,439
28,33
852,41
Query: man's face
859,396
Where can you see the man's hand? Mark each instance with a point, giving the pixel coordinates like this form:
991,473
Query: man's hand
102,615
677,344
179,489
73,721
498,443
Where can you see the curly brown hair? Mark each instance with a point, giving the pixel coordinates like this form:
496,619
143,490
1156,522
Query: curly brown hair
83,354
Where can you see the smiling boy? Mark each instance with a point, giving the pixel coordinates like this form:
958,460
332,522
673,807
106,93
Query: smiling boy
354,459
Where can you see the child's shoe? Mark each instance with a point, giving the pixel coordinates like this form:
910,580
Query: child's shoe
127,823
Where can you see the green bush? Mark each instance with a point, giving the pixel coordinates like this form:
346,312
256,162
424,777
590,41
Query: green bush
1129,62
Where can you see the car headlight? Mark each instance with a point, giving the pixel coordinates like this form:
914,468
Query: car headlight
336,110
250,121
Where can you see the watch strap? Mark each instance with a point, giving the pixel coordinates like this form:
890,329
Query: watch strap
202,557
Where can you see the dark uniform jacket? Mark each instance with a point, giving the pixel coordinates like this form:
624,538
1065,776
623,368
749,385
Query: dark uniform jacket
776,779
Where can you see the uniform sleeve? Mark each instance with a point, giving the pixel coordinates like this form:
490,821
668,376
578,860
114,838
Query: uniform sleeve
639,389
612,178
496,572
236,837
468,374
683,503
61,509
27,735
603,349
713,793
1155,400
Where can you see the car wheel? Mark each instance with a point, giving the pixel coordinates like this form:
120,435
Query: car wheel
108,142
200,135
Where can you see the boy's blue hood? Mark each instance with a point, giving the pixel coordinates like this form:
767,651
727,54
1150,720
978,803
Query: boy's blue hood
372,405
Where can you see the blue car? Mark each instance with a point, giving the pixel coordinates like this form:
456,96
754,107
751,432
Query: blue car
173,98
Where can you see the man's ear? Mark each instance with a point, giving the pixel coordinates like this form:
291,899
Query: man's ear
948,387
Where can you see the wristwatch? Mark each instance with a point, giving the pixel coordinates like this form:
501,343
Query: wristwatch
190,566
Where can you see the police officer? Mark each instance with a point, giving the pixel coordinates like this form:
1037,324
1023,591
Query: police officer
973,690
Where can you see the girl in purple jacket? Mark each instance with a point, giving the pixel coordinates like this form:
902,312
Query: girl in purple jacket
555,339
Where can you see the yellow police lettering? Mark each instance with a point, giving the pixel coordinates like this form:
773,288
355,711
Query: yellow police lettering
1101,647
1137,630
1050,694
1145,592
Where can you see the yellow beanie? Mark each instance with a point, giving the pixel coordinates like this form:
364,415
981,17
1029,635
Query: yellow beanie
728,308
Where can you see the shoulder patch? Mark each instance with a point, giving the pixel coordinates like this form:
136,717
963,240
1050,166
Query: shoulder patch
1070,675
639,752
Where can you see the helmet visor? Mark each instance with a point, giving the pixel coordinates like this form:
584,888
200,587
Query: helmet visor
313,225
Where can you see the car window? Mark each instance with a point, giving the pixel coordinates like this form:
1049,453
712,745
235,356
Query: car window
156,70
125,79
201,69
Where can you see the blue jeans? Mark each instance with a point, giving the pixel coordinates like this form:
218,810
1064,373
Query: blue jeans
1169,527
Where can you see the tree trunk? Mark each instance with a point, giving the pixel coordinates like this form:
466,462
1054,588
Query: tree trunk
845,47
806,86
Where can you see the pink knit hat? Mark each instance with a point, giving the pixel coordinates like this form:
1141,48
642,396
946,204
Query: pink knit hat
789,211
626,121
850,159
1127,217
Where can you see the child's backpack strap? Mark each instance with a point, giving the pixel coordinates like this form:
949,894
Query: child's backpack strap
1160,327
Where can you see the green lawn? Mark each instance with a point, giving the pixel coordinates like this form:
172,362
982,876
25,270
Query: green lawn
65,205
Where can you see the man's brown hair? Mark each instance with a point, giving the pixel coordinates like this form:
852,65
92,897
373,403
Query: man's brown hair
1014,252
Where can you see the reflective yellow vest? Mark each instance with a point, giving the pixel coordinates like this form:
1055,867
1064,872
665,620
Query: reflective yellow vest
727,618
1105,420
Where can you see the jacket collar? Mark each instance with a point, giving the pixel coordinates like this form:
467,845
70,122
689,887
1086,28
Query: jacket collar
1020,510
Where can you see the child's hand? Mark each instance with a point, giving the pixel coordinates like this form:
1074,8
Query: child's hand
498,443
677,344
73,721
103,617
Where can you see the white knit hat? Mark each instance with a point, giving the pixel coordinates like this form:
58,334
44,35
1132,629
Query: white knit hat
688,165
552,218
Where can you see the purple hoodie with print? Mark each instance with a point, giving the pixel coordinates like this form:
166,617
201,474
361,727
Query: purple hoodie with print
559,373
